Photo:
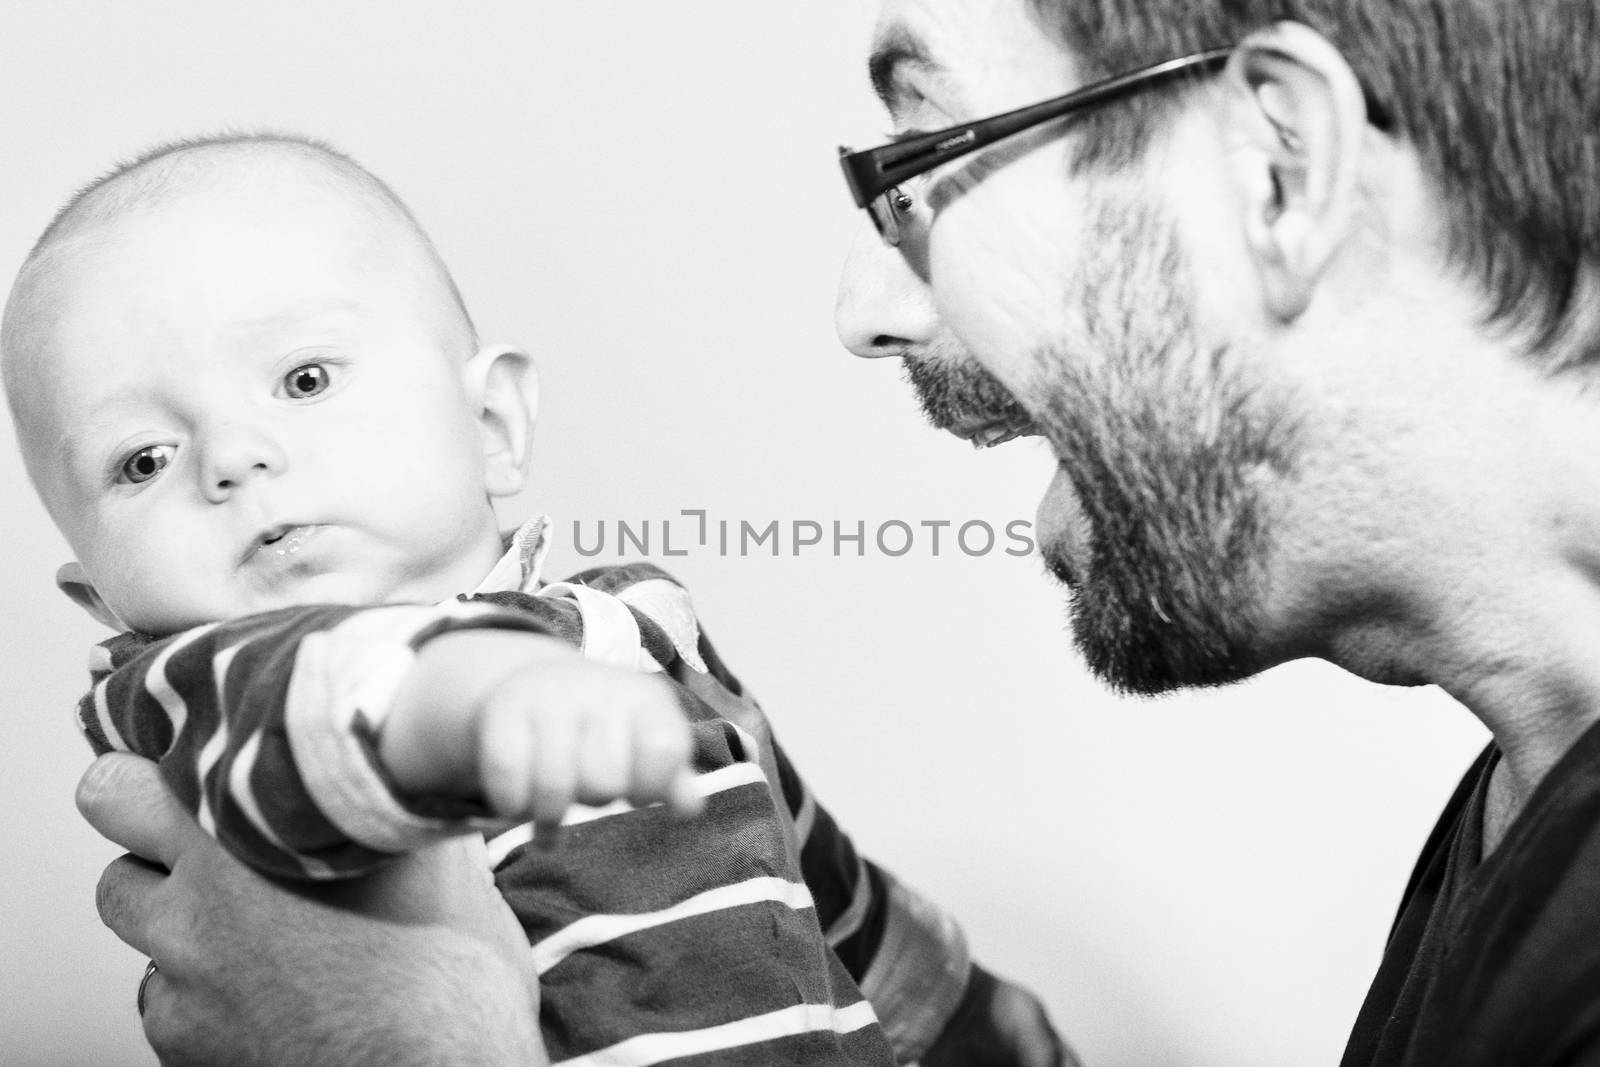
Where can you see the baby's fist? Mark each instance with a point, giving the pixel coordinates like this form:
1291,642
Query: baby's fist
567,731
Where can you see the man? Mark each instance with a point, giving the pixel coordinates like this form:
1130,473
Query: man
1305,308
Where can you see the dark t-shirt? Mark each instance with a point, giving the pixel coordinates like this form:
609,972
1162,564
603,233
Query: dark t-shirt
1496,962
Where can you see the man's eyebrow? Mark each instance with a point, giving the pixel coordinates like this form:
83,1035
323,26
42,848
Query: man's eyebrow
894,48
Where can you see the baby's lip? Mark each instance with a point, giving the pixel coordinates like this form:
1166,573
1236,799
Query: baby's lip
280,541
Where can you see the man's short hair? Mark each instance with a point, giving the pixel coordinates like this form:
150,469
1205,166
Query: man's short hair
1499,98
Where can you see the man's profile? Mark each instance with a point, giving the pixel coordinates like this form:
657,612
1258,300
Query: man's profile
1313,341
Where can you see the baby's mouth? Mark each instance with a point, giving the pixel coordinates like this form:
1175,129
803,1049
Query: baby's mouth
281,542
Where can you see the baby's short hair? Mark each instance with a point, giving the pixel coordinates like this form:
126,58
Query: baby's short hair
169,168
172,169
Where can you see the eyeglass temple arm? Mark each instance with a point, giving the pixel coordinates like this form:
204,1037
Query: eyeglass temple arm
873,172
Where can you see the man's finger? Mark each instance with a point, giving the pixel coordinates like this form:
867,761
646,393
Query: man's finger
123,898
124,798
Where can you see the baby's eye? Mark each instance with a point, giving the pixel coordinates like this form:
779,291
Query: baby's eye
145,464
306,381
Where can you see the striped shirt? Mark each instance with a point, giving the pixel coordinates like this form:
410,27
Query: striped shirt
751,932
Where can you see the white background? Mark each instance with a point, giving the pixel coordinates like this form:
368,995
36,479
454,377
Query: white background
644,194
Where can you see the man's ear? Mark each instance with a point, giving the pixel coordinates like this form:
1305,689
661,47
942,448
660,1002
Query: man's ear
1297,117
72,580
503,384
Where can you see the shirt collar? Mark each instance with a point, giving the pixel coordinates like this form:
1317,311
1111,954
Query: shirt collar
518,570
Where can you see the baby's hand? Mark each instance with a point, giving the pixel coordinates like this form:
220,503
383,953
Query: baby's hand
571,730
531,727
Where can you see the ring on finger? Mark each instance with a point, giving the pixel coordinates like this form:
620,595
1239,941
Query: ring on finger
144,984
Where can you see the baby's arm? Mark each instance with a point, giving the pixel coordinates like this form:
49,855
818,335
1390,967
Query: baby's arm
271,728
529,726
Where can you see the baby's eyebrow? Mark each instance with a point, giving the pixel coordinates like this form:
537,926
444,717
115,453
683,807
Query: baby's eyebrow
71,452
298,314
101,426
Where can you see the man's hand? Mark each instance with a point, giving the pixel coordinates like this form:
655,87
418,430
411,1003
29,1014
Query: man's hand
421,963
528,725
998,1024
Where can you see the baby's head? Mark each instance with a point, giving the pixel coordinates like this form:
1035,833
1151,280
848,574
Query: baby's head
243,379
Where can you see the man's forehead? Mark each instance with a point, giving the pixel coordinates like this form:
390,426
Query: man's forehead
954,45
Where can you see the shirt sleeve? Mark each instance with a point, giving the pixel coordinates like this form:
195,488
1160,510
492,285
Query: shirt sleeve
265,728
909,958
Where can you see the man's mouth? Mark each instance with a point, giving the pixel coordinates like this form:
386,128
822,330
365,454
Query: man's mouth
959,396
994,432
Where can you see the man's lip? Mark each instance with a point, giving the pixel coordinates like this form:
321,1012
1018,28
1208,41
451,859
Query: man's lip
994,432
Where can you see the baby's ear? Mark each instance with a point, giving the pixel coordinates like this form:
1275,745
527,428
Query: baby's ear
504,385
72,580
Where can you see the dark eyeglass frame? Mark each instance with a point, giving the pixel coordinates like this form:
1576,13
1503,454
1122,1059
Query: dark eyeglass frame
874,174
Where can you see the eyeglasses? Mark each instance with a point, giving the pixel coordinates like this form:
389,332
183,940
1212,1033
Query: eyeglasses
875,174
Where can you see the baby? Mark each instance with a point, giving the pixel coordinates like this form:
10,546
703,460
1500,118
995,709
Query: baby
250,396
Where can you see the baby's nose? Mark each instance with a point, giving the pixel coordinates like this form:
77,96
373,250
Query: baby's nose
236,455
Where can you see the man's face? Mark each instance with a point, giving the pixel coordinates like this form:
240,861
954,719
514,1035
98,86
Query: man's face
242,410
1076,293
885,309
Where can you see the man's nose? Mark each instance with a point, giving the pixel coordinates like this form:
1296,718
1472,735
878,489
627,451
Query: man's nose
883,308
236,454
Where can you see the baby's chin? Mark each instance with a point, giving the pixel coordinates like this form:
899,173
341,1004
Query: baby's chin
328,589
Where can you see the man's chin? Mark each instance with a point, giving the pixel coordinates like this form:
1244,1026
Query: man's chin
1144,655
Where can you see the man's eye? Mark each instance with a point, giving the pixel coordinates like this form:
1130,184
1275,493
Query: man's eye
145,464
305,381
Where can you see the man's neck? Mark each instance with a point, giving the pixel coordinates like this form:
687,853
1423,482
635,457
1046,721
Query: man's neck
1450,527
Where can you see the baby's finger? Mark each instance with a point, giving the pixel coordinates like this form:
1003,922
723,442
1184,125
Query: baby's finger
505,758
552,760
684,797
662,747
605,754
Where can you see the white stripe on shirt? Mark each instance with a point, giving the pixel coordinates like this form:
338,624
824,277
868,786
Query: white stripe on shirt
806,817
156,684
849,920
102,714
667,604
647,1049
610,632
720,780
245,796
215,745
594,930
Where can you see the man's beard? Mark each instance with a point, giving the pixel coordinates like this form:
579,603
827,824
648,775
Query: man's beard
1164,444
954,390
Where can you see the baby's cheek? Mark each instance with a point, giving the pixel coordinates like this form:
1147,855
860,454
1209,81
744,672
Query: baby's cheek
152,588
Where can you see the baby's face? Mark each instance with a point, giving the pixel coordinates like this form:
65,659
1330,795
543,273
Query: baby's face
243,412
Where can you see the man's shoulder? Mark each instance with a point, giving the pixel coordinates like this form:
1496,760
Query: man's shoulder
1496,959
